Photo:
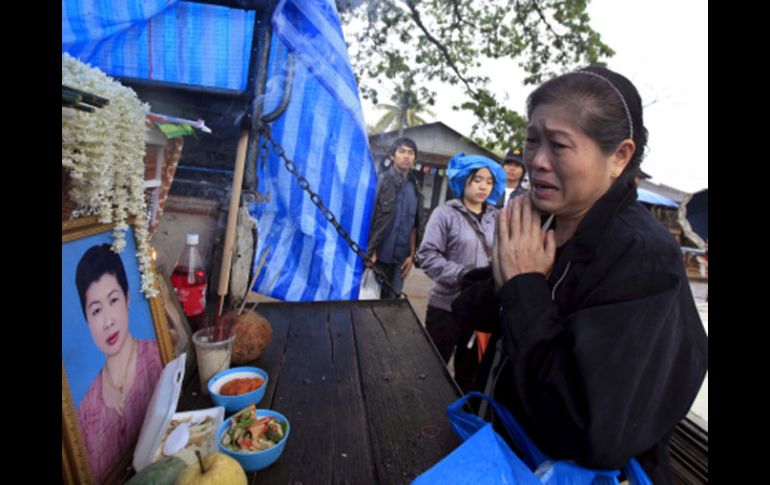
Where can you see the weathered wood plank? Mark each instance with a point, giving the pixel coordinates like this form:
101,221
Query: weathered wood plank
300,397
352,459
406,389
688,450
320,393
272,359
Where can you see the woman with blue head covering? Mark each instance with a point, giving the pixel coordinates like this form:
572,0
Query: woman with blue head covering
458,238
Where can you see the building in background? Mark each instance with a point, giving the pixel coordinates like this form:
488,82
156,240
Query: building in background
436,143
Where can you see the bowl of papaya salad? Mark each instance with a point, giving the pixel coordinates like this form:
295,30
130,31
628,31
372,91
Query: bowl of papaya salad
254,437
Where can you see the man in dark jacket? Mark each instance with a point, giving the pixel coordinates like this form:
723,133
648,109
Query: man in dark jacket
398,219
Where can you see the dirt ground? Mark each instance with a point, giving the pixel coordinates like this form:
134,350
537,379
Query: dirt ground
416,287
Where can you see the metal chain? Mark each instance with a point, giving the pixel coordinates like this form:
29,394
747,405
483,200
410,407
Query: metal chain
264,151
251,194
291,167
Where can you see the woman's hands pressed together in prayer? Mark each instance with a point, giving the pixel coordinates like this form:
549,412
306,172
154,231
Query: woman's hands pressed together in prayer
521,246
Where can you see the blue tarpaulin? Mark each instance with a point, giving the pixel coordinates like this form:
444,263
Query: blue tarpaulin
161,40
322,130
644,195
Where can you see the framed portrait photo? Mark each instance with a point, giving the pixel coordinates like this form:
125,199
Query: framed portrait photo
115,343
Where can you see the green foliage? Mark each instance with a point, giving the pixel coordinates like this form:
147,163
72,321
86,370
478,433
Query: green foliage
424,41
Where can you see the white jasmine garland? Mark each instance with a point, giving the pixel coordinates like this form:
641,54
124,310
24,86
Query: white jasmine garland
104,152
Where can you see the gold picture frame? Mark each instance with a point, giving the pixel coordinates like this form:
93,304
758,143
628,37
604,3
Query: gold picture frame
91,339
179,326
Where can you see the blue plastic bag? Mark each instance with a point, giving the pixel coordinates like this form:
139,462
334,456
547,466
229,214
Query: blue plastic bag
485,458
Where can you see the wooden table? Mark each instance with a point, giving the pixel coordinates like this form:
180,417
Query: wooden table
363,387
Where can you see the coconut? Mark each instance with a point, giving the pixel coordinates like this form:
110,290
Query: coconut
252,334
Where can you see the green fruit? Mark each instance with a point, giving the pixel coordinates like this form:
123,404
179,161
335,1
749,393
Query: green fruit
162,472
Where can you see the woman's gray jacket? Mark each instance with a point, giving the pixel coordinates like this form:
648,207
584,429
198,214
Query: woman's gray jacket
451,247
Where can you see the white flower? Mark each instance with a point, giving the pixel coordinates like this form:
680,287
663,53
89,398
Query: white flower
104,153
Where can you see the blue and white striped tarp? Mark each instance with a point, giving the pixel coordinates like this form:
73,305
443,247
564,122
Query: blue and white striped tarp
323,132
161,40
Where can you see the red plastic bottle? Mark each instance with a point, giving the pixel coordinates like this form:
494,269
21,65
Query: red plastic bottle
190,282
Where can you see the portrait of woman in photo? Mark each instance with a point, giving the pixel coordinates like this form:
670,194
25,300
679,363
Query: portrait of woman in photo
113,408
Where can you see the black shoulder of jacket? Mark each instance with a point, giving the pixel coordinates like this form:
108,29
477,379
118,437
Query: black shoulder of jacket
411,174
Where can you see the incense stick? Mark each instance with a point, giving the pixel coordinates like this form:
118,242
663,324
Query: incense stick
270,287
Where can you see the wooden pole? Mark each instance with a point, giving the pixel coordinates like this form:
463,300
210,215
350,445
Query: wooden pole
232,219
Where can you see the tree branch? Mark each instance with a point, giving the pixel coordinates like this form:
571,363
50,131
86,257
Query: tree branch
545,21
459,19
441,47
560,38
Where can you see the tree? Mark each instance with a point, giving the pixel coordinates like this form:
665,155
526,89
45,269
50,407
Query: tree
405,111
448,40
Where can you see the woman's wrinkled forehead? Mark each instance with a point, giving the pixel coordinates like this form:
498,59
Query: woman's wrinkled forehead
554,119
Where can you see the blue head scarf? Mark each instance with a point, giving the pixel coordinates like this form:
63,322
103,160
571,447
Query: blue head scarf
461,166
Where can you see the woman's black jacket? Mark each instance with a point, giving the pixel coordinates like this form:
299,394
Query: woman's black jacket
605,356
